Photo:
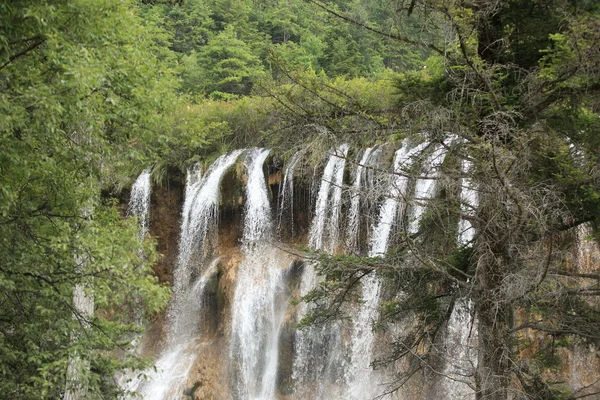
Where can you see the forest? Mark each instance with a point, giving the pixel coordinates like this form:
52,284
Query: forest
94,91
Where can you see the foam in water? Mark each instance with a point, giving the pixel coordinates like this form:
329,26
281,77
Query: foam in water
258,305
139,202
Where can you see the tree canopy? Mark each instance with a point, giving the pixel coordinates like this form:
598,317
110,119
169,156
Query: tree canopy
80,94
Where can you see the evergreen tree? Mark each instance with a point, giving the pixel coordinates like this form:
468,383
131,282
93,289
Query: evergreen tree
226,64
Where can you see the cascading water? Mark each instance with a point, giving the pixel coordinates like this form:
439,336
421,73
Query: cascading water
425,187
461,357
266,358
397,192
318,353
468,205
286,192
139,202
167,380
199,213
363,381
259,300
193,176
369,158
325,229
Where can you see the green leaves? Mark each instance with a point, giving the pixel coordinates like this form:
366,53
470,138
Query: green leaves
81,96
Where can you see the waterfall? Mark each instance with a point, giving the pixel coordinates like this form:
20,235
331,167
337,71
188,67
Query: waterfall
257,221
363,381
139,201
369,158
397,191
318,353
200,211
193,176
461,333
262,357
286,192
468,205
324,231
167,381
425,187
461,354
258,309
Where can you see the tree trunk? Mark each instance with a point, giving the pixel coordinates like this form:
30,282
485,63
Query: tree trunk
493,370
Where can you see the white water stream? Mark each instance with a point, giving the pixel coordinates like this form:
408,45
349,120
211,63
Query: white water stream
286,193
326,362
363,380
425,187
199,214
318,360
369,159
139,201
468,205
461,334
258,309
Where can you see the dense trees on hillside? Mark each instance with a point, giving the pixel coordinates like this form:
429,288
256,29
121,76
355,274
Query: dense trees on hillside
224,46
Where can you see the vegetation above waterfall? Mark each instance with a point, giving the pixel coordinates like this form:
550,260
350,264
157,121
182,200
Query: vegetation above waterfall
93,91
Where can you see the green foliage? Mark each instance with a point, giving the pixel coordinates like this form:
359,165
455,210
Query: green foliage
222,47
82,97
228,65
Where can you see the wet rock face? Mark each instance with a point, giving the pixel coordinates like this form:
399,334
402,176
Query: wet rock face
165,220
574,364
